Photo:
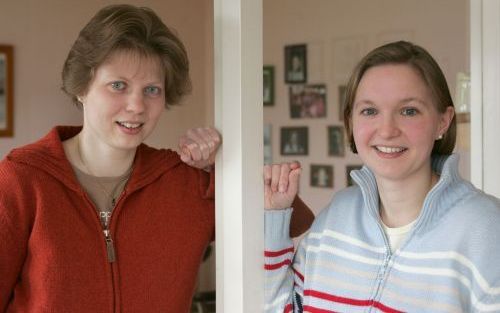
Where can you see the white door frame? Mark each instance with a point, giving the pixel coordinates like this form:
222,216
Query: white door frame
239,184
485,95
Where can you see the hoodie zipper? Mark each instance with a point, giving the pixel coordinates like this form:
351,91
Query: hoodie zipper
110,246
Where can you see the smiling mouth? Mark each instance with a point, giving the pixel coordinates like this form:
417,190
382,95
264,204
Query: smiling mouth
130,125
390,149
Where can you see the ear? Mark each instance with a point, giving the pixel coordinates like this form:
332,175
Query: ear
80,98
445,120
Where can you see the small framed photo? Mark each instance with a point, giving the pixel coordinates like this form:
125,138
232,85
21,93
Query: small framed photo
294,141
268,149
336,145
348,170
307,101
6,91
322,176
296,64
268,89
342,97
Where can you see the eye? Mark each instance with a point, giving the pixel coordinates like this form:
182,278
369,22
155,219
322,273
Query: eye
368,111
409,112
152,90
118,85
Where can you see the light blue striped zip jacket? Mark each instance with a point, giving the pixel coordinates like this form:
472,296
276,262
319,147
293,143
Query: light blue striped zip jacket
449,262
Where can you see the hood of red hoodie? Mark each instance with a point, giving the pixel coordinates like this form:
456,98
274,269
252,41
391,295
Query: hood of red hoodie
47,154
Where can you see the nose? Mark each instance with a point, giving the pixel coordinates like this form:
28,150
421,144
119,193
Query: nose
388,127
135,103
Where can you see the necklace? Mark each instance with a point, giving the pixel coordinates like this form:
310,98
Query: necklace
109,187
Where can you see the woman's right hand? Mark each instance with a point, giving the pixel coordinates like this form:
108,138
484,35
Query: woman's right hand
281,184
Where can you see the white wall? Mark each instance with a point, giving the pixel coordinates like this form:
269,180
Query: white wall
42,33
442,27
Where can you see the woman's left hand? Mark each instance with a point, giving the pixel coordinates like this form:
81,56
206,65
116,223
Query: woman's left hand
198,147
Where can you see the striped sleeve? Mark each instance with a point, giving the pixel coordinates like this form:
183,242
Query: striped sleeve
283,271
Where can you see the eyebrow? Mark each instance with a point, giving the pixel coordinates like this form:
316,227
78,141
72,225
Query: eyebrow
125,79
403,101
410,99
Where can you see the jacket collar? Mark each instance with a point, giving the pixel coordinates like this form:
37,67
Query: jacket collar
448,190
47,154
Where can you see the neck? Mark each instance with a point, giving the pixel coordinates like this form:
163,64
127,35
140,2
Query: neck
101,160
401,202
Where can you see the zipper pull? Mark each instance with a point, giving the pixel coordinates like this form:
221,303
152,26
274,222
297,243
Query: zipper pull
110,247
105,217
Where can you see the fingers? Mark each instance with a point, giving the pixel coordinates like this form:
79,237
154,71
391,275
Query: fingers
267,175
294,178
185,155
295,165
212,137
199,144
281,183
275,177
267,179
278,177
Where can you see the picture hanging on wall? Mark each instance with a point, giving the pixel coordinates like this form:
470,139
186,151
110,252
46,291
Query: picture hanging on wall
342,94
348,170
6,91
294,141
307,101
322,176
268,149
268,89
336,145
296,64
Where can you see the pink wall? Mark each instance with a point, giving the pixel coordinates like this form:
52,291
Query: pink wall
338,32
42,33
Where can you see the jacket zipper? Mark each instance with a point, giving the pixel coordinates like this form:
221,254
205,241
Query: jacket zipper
382,270
110,247
104,222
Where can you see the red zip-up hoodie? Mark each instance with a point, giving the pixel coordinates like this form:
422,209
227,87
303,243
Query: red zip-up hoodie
53,255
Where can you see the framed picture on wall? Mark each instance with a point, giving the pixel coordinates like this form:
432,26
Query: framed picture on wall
321,176
268,149
294,141
268,88
296,64
6,91
348,170
307,101
342,93
336,141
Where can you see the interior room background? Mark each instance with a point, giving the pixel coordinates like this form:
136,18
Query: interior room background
336,34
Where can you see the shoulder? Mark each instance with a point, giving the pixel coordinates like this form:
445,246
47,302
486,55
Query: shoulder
344,206
344,201
480,209
17,183
167,164
8,172
15,174
474,222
